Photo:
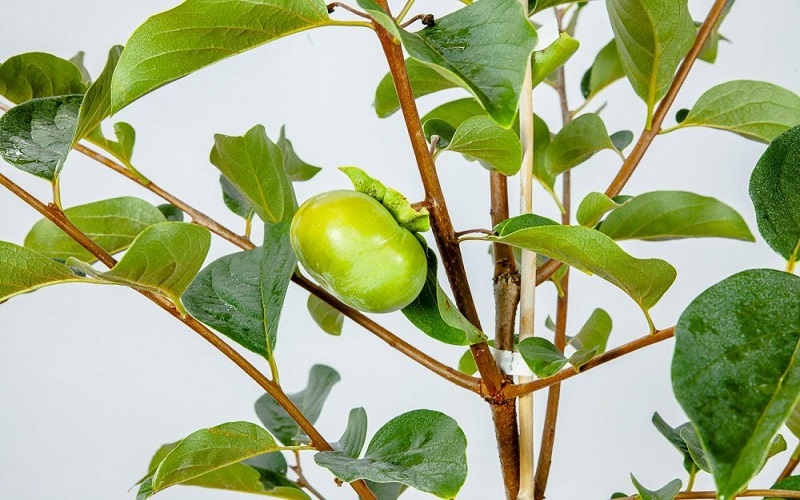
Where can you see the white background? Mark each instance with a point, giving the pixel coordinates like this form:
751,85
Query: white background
94,379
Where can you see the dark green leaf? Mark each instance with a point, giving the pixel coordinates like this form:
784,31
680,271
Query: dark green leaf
681,115
652,37
321,379
241,295
593,207
441,129
234,199
295,168
424,80
37,74
552,57
578,141
197,33
171,212
594,334
23,270
740,334
756,110
355,434
668,492
496,148
775,191
590,251
325,316
541,356
606,69
96,105
36,136
667,215
424,449
436,316
622,139
455,112
791,483
468,35
254,165
696,451
113,224
673,435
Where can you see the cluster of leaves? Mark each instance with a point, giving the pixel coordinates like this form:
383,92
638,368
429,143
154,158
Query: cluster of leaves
739,334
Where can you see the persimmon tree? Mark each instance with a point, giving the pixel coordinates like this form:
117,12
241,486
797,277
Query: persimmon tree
734,369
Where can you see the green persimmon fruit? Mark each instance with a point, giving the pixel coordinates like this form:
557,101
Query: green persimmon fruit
355,249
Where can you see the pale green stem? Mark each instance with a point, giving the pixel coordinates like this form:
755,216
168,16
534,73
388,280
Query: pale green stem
406,8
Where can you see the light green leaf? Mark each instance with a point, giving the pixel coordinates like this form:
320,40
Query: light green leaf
436,316
424,80
197,33
668,492
468,35
36,136
325,316
578,141
37,74
455,112
121,148
295,168
424,449
592,252
673,435
581,357
254,164
355,434
241,295
321,379
775,191
541,356
552,57
96,105
113,224
542,139
756,110
211,449
593,207
77,60
668,215
594,334
496,148
22,270
740,334
652,37
711,47
466,363
164,258
606,69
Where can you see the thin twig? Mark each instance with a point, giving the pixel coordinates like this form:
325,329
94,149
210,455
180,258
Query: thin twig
647,136
474,231
302,481
791,465
514,391
332,6
57,217
426,19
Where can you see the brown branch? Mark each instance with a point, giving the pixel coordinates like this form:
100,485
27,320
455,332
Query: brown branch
647,136
274,390
687,495
514,391
791,465
332,7
562,305
426,19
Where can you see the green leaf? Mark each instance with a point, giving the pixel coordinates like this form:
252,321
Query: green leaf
740,334
581,357
606,69
668,215
443,130
594,334
541,356
535,6
775,191
36,136
254,164
295,168
171,212
325,316
621,139
164,258
198,33
424,80
96,105
593,207
424,449
211,449
121,148
387,491
552,57
696,451
466,364
673,435
592,252
793,422
37,74
77,60
542,139
496,148
455,113
309,401
113,224
791,483
355,434
578,141
652,37
756,110
22,270
668,492
711,47
241,295
436,316
234,199
460,40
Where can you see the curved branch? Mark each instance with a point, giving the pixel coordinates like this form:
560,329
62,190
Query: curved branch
274,390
